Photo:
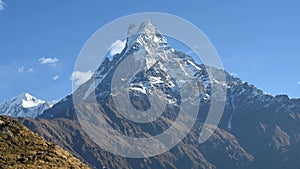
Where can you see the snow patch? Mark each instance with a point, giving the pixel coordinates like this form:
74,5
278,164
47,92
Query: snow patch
141,89
155,80
30,101
194,65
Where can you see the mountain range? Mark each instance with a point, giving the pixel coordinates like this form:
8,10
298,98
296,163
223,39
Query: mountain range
257,130
24,105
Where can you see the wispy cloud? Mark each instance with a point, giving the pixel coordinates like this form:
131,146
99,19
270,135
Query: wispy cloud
2,5
48,60
22,69
298,83
117,47
234,74
189,52
30,70
80,77
55,77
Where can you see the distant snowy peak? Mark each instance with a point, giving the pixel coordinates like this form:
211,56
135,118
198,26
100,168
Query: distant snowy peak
29,101
24,105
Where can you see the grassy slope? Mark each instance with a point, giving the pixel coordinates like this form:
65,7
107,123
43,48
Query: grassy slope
21,148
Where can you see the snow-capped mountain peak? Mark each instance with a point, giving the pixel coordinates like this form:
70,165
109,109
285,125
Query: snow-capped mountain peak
147,49
29,101
146,35
24,105
145,28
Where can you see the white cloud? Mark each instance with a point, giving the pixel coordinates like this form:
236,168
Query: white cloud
80,77
2,5
55,77
299,83
116,47
49,60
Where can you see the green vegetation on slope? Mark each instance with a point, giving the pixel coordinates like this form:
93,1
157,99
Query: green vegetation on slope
21,148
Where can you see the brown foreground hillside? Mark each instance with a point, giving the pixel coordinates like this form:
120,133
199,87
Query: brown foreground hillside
21,148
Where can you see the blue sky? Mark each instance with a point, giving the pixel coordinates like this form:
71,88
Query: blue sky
40,40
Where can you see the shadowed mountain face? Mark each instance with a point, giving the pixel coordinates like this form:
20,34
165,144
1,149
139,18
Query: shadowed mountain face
188,154
21,148
256,131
